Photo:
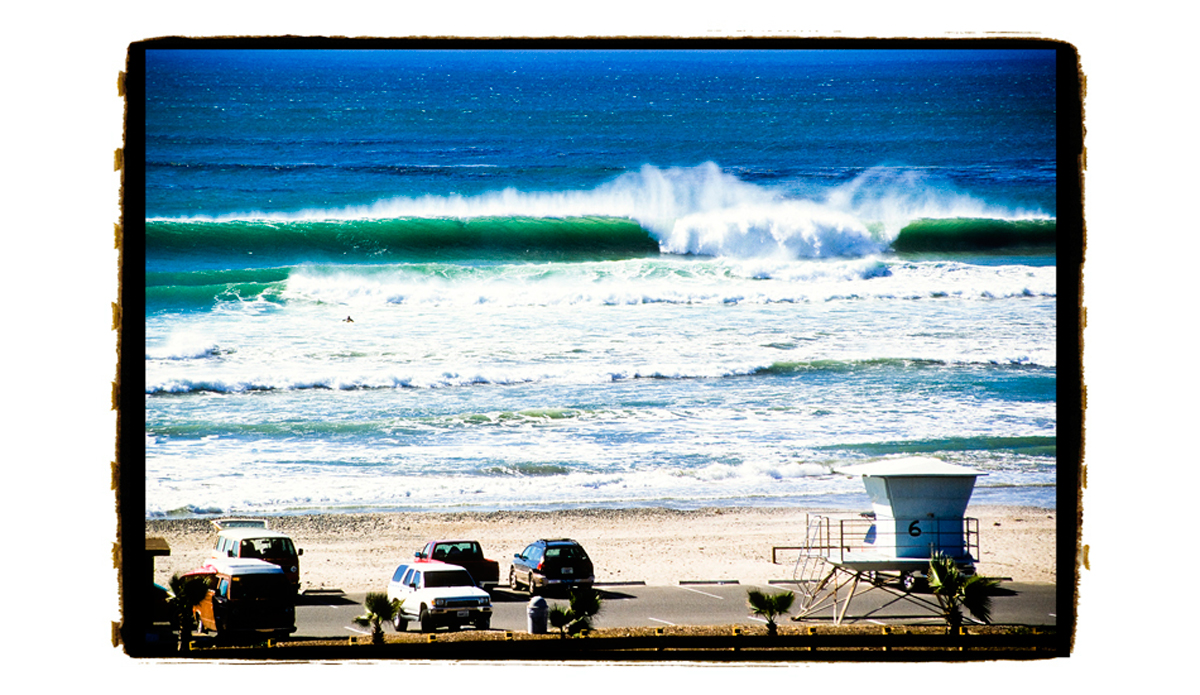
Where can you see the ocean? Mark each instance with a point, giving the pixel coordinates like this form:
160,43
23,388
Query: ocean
538,279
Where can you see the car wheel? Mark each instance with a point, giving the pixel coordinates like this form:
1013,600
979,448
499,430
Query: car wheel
399,622
198,624
426,621
512,580
911,582
484,623
533,590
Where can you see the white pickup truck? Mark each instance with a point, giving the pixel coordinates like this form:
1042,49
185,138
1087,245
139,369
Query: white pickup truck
436,594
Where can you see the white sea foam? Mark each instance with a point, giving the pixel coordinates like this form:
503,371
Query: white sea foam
297,490
186,346
764,280
793,229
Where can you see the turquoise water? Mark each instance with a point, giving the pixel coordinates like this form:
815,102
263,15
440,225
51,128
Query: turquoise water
594,278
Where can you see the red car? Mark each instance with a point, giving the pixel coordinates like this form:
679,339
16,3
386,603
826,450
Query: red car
466,554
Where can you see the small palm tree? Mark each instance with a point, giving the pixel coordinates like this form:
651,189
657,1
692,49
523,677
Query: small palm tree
770,606
560,617
188,593
585,606
378,610
956,591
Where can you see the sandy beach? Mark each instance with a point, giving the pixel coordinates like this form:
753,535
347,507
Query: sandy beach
358,552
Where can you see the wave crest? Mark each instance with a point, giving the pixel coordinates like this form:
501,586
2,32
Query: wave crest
700,210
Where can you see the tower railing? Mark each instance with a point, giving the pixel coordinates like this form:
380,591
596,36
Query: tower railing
903,538
842,540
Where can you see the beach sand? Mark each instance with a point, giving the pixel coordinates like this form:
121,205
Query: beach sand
358,552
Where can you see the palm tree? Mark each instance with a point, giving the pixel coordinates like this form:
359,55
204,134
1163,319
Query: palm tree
378,609
770,606
560,617
955,591
585,606
188,593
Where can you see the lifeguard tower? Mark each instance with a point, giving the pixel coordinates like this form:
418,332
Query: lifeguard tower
918,510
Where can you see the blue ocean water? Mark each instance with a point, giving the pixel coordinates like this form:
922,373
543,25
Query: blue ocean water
537,279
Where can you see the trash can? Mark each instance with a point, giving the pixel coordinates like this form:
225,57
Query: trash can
536,616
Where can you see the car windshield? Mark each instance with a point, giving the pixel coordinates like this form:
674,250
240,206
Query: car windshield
451,578
257,586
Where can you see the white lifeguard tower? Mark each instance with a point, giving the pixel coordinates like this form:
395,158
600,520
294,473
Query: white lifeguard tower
918,510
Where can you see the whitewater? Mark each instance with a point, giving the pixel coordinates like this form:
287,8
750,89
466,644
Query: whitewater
702,210
669,280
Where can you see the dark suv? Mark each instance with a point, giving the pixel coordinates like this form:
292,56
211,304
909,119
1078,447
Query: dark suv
550,564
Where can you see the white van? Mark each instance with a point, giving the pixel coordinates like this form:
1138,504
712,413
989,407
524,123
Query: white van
251,538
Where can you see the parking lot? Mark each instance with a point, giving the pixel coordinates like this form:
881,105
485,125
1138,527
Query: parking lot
330,615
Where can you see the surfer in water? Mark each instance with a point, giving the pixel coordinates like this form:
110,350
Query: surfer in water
348,320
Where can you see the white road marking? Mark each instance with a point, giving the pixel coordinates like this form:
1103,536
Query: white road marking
354,629
705,593
663,622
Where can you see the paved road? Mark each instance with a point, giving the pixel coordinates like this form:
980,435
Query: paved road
692,604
